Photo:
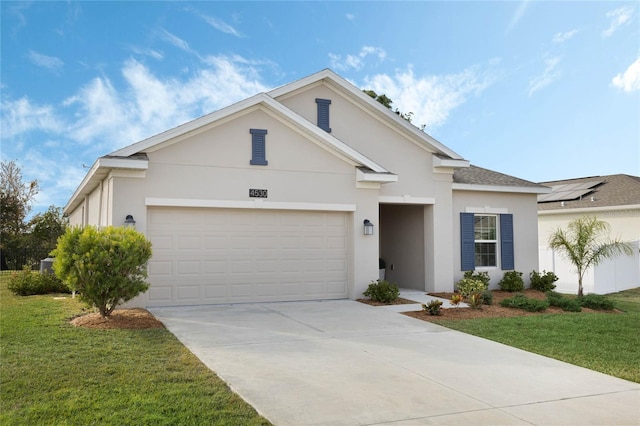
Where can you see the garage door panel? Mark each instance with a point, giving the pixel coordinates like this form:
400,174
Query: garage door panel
205,256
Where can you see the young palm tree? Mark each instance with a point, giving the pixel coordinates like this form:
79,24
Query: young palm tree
585,244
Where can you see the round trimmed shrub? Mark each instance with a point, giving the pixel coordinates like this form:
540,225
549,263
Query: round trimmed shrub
105,266
512,281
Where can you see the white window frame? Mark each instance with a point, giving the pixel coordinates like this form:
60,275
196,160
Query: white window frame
495,242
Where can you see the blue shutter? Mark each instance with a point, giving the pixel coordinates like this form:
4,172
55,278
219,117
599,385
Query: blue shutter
258,149
507,260
323,114
467,242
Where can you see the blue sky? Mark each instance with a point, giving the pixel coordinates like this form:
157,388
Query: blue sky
538,90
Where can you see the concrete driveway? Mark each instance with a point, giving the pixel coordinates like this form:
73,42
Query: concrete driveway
346,363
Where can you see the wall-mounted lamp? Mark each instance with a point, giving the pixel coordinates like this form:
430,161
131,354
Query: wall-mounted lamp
129,222
368,227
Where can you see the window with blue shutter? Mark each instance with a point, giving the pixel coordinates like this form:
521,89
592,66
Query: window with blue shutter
258,149
507,260
479,242
323,114
467,242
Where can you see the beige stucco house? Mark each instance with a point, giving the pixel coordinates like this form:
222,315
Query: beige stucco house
268,200
614,199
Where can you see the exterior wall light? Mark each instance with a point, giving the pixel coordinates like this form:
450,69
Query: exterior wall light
129,222
368,227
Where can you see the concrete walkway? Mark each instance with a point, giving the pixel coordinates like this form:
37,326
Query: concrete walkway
346,363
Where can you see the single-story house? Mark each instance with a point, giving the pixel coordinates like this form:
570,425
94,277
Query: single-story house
614,199
296,193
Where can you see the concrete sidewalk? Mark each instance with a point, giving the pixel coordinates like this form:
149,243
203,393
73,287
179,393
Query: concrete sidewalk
346,363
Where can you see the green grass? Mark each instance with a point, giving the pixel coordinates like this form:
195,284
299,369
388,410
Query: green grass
54,373
605,342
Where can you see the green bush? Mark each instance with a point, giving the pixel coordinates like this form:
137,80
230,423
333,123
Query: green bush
468,286
28,282
565,303
382,291
511,281
596,301
477,275
487,297
543,282
520,301
433,307
106,266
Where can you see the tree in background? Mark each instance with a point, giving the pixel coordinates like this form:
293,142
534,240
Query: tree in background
45,229
386,101
106,266
585,243
15,204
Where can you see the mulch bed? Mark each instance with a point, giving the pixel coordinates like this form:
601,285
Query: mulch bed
487,311
136,318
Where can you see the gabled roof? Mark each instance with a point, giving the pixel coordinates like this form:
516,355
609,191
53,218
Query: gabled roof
200,124
476,178
129,157
598,192
376,108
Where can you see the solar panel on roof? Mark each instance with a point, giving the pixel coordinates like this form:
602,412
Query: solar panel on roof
569,191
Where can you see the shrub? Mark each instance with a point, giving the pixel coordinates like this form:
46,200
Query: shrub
477,275
487,297
468,286
382,291
433,307
596,301
520,301
475,301
512,281
106,266
557,299
543,282
456,299
28,282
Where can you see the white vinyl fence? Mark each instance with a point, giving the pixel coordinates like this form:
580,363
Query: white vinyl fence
620,273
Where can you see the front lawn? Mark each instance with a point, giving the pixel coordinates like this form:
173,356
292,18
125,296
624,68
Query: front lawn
54,373
605,342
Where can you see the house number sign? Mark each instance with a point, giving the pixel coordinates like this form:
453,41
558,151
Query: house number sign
257,193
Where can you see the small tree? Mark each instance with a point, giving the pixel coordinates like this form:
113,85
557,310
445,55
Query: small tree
106,266
585,244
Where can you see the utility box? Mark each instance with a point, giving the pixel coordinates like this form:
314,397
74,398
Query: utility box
46,265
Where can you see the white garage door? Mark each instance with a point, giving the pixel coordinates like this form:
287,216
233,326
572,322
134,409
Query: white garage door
206,256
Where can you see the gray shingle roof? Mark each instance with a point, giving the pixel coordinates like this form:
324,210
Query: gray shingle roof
615,190
475,175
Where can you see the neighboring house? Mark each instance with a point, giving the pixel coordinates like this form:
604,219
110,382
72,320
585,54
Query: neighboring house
269,200
614,199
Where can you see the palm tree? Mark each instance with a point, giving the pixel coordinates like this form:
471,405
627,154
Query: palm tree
585,244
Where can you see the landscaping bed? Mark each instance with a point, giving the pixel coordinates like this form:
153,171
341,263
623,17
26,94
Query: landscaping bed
490,311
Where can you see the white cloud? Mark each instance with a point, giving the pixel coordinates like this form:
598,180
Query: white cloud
350,16
630,79
22,116
155,54
517,15
175,41
44,61
430,98
618,18
356,61
220,25
562,37
548,76
108,118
